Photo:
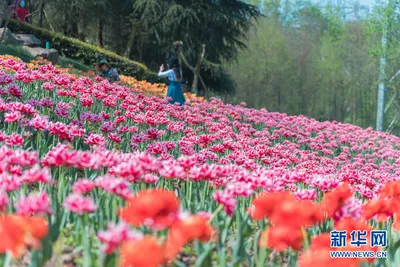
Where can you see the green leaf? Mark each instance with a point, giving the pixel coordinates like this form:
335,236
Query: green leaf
204,259
393,249
239,246
179,263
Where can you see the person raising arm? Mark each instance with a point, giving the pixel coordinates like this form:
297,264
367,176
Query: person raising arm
174,75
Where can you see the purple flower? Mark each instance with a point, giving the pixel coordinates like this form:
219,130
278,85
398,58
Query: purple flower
107,126
14,90
46,102
77,122
6,79
33,102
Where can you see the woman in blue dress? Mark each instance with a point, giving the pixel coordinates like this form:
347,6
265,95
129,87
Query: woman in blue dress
174,76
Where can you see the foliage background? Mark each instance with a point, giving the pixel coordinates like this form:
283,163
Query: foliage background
304,59
297,57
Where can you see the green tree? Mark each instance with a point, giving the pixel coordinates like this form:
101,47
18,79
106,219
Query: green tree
308,61
384,29
219,25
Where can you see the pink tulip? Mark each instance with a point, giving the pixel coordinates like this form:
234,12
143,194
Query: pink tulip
79,204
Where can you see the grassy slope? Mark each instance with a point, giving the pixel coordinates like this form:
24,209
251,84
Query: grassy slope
15,51
86,53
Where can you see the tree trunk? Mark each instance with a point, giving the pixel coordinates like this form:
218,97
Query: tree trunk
334,106
74,23
116,35
4,31
279,98
41,13
197,72
195,83
139,48
354,105
48,20
3,4
29,4
129,45
74,30
100,33
6,24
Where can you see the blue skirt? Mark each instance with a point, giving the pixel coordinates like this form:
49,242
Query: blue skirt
175,92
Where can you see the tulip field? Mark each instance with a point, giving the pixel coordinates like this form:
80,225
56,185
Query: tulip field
99,174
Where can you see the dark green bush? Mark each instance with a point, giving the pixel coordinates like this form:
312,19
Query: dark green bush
83,52
15,51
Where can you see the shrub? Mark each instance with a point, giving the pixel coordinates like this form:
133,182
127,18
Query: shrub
66,62
15,51
83,52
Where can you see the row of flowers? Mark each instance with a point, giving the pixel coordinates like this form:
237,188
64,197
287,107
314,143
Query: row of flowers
148,180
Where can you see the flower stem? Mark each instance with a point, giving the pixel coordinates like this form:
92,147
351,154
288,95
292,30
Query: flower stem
7,260
215,213
305,236
262,257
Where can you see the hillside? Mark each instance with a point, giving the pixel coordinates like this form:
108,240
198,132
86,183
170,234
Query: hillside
116,168
81,53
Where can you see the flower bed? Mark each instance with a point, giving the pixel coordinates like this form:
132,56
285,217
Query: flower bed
126,179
